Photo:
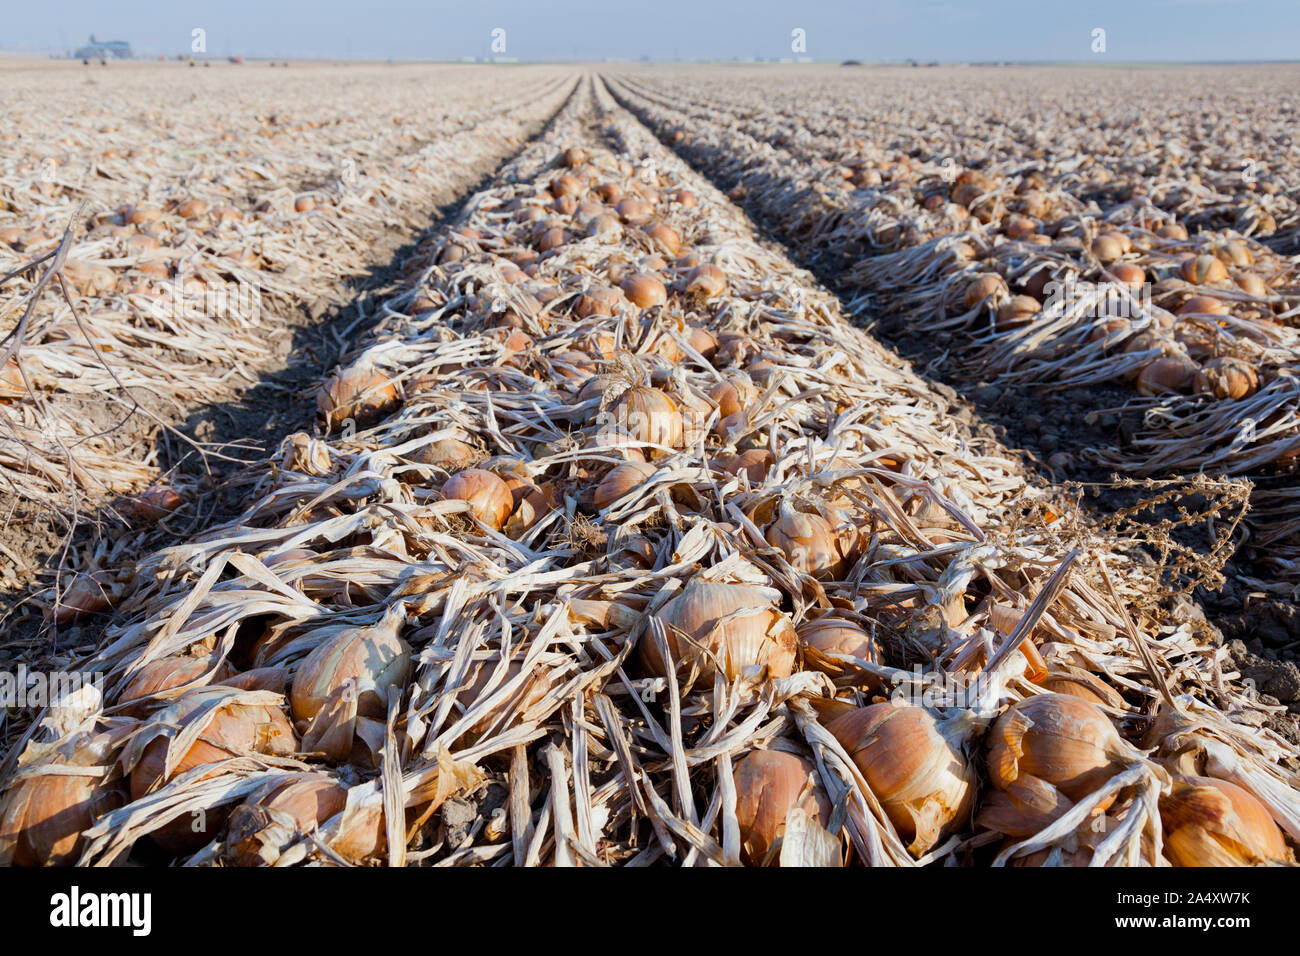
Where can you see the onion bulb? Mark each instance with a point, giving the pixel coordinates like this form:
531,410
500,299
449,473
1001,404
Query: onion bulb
1210,822
645,290
264,826
1201,270
706,280
1046,753
1169,373
375,657
913,764
44,815
985,287
488,496
714,624
620,481
1227,378
360,393
832,634
769,784
808,542
648,415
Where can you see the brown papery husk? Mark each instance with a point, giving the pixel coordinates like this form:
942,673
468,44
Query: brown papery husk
374,656
769,783
1046,753
914,765
1211,822
717,623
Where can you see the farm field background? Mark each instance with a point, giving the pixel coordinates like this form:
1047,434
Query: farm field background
650,464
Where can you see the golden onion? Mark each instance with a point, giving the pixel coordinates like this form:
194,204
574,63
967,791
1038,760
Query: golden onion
713,624
913,764
769,784
488,496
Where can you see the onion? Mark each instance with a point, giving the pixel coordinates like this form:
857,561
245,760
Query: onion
599,300
769,784
734,626
191,208
1227,378
1016,313
170,673
360,393
1172,230
45,814
1251,283
621,480
552,238
1201,270
11,381
807,542
664,237
648,415
155,503
1211,822
264,826
1128,274
913,764
634,211
375,657
489,497
1170,373
832,634
1203,305
985,287
754,462
566,184
229,729
1045,753
304,203
90,592
573,156
610,192
1233,252
645,290
605,227
707,281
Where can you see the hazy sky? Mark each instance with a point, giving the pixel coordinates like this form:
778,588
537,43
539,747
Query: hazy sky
669,29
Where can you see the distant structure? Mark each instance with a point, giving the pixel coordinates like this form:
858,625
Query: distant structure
104,50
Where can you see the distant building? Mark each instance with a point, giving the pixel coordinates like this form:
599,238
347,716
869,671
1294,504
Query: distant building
104,50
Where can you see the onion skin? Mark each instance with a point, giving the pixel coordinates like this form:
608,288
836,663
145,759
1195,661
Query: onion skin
764,638
648,415
1045,753
489,497
361,394
1211,822
376,657
233,730
808,543
923,781
620,481
255,838
832,634
169,673
769,784
44,816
